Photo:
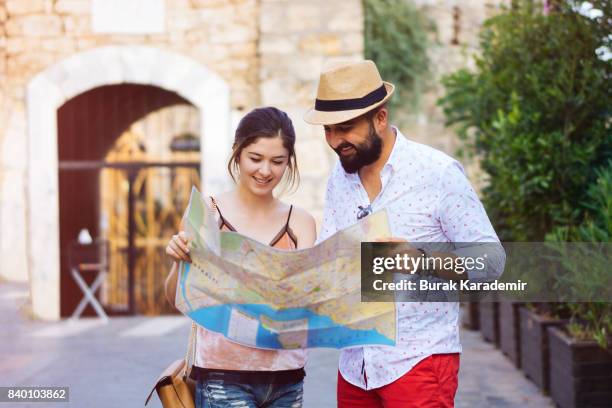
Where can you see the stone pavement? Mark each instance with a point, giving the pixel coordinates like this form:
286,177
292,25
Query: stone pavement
115,365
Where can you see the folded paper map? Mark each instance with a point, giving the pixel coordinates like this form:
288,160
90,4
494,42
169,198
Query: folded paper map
265,297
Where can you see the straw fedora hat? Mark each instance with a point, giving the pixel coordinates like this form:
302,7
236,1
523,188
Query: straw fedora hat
348,90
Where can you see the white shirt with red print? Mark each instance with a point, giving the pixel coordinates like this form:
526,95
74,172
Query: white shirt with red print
428,199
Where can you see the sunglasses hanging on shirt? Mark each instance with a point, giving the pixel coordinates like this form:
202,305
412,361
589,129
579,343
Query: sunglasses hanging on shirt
364,211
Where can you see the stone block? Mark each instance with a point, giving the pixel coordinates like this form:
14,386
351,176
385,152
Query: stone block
181,4
195,36
179,20
323,43
77,25
17,7
125,39
345,16
275,92
233,34
277,44
305,68
25,65
211,17
243,99
208,3
243,50
209,53
14,147
88,41
18,45
156,39
303,195
13,220
341,59
352,43
15,90
2,68
241,82
136,17
59,45
72,6
303,17
34,25
273,19
304,92
312,156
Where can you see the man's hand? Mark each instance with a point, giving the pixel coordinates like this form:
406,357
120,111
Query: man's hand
403,248
406,247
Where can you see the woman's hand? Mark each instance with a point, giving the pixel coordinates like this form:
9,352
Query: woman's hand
178,247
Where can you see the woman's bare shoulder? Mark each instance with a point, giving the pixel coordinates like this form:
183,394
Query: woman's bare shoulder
300,215
303,224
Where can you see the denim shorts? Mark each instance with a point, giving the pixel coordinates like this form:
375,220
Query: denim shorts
220,390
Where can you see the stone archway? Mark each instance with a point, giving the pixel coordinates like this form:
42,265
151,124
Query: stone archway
81,72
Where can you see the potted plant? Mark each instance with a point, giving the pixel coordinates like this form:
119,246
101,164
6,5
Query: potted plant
535,111
581,351
510,330
470,316
580,367
488,312
534,323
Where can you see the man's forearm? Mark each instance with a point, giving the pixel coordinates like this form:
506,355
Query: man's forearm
440,269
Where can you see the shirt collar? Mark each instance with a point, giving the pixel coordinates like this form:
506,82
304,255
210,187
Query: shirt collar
395,158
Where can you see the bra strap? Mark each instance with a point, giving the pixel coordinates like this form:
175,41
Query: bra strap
216,207
288,217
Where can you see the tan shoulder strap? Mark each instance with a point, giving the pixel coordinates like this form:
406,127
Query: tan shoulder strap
214,203
191,351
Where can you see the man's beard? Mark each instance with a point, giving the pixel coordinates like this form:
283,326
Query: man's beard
366,153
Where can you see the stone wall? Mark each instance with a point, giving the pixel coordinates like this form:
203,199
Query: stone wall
221,35
268,52
298,38
454,44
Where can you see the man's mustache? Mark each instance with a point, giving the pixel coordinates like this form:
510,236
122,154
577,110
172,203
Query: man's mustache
344,145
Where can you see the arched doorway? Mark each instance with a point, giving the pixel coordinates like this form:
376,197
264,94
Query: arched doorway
128,156
105,66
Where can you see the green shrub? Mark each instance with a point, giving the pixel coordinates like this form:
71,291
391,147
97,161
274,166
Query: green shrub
395,38
536,112
585,274
597,224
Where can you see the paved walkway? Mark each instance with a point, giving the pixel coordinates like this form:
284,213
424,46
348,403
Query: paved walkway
114,365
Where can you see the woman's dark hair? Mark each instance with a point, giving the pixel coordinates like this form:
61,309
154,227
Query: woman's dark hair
265,122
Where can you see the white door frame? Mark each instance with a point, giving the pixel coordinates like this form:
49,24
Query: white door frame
112,65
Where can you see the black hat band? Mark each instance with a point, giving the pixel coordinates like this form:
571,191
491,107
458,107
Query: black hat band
351,104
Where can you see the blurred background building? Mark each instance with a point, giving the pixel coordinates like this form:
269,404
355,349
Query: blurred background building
111,109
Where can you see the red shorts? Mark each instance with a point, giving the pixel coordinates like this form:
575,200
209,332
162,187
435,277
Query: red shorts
432,383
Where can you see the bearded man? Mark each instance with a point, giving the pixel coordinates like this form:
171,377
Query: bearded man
428,199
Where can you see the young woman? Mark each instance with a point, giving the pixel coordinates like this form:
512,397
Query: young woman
229,374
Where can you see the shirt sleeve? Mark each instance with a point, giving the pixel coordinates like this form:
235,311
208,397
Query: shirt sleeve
328,227
465,223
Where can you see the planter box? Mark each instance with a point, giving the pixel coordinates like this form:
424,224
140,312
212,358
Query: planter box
580,372
534,347
510,330
489,321
469,316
